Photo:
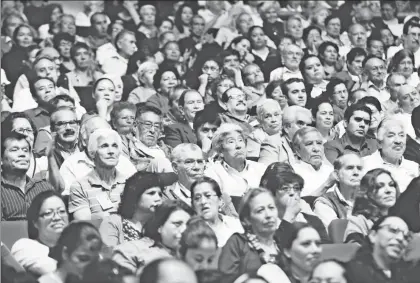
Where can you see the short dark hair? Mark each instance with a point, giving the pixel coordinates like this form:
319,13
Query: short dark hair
147,108
62,108
159,73
323,47
331,87
308,30
339,263
251,29
181,100
415,120
206,180
371,100
356,107
62,36
355,52
227,53
7,124
76,47
373,37
317,102
6,136
269,89
196,232
302,63
205,116
272,180
225,95
409,24
61,97
33,81
92,18
285,85
331,17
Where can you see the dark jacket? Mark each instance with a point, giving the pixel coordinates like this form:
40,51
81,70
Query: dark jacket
129,83
178,133
412,150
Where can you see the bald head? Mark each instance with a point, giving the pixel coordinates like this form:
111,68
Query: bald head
357,35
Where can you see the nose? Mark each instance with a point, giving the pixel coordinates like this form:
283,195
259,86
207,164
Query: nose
210,135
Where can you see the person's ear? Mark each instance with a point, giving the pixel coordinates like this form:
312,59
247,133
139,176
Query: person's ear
175,167
287,253
372,236
345,123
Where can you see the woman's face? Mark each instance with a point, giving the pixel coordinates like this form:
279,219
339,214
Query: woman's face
314,70
234,146
305,250
148,17
387,37
263,214
64,48
150,200
186,15
12,23
388,12
258,39
168,82
205,202
271,15
212,69
118,88
171,231
405,67
82,58
330,55
172,51
22,126
271,119
56,13
279,97
24,37
311,149
321,16
287,193
244,23
295,29
203,257
376,117
340,96
165,26
243,47
53,218
193,102
325,116
386,195
222,87
124,121
314,39
68,25
334,27
105,90
86,252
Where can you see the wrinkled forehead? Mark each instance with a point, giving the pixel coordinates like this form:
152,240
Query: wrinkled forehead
395,222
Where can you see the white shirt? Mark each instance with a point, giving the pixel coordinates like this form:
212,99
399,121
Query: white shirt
79,165
395,27
115,65
283,73
394,49
229,226
313,178
403,173
413,80
406,118
104,52
381,94
232,182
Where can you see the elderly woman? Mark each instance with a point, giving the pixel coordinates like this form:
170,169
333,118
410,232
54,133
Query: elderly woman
273,91
47,217
233,172
162,235
208,203
147,31
378,193
312,165
145,75
403,63
269,116
85,203
247,252
141,197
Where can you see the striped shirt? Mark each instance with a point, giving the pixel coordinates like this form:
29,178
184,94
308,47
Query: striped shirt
15,202
91,192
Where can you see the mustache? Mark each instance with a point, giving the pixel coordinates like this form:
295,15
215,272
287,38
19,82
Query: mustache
69,132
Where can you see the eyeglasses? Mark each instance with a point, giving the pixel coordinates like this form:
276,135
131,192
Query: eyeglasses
62,124
290,188
150,125
395,231
50,213
190,162
208,196
237,97
24,130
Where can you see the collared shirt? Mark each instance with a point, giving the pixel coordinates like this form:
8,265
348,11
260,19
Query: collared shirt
39,116
276,149
228,226
79,165
93,193
326,212
178,191
115,65
15,202
245,124
104,52
403,173
313,178
283,73
336,148
380,93
406,119
318,89
389,107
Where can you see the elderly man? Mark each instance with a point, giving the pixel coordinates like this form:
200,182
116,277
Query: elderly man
80,164
357,119
17,188
188,163
292,56
98,194
234,173
375,69
99,22
412,150
312,164
393,84
392,138
337,202
408,99
278,148
357,35
381,261
253,79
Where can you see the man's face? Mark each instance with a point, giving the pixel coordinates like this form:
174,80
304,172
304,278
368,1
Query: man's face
295,28
376,48
68,25
46,69
394,85
16,155
358,125
297,94
45,90
292,56
412,39
231,61
314,39
197,26
388,12
358,36
212,69
191,166
236,102
391,239
64,48
82,58
206,131
376,70
108,152
394,140
356,67
128,44
193,103
66,126
100,25
301,120
408,98
350,173
311,149
150,128
253,75
334,27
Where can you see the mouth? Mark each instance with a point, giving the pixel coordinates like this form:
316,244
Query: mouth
398,147
270,223
316,157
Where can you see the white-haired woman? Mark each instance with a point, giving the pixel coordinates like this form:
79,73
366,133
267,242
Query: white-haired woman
233,172
98,194
145,75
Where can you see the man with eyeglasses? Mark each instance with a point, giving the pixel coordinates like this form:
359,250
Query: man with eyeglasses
375,70
382,261
292,56
357,119
17,189
188,163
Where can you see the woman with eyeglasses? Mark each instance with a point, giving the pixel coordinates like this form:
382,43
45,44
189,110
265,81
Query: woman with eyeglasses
47,217
207,202
141,197
162,235
79,245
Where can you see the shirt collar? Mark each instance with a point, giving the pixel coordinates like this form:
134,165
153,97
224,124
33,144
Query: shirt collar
236,118
340,196
371,85
93,179
39,110
344,140
229,168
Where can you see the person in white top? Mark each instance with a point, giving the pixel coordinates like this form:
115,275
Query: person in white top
410,37
408,99
292,55
403,63
375,69
392,138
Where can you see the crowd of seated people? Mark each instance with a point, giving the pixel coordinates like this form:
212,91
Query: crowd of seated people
210,141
